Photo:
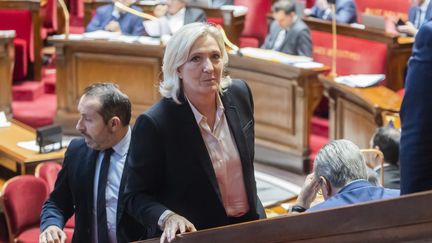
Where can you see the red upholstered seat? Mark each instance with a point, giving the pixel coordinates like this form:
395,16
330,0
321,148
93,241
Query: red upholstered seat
21,22
22,198
48,172
48,14
21,59
256,21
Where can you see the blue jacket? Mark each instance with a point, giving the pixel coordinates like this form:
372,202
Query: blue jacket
356,192
416,117
346,12
412,14
129,23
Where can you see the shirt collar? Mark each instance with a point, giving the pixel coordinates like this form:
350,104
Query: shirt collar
122,147
425,5
116,13
199,117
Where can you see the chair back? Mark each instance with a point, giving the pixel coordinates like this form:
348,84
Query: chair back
256,18
373,159
21,21
22,198
48,171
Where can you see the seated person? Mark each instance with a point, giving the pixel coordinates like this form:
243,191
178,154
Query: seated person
340,173
345,11
110,18
386,139
419,13
175,14
288,33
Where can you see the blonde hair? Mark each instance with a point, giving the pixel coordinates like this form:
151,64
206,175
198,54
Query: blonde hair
177,53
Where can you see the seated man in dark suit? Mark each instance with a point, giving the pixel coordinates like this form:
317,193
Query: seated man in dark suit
288,33
91,181
346,11
386,139
110,18
341,175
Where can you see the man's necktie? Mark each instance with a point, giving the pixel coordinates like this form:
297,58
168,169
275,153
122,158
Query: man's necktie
102,227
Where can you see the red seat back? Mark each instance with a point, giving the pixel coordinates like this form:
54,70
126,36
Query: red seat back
354,56
22,200
256,18
48,171
20,21
48,14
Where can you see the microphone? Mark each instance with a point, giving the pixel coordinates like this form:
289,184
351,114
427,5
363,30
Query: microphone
133,11
227,42
333,72
66,16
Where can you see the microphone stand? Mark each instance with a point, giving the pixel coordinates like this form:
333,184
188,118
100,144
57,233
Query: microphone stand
229,43
66,16
333,72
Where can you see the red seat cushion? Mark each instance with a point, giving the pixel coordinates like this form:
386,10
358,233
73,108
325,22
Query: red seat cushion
21,59
248,42
217,21
23,197
256,18
30,235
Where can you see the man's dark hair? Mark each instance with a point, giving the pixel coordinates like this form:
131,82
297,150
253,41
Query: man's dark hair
387,139
113,101
288,6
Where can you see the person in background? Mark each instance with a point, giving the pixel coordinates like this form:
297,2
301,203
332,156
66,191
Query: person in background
288,33
190,163
110,18
416,117
175,13
419,13
346,11
340,172
386,139
91,181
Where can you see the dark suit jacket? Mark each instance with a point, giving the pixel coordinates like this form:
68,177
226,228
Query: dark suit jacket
129,23
194,15
170,168
391,176
297,40
356,192
346,12
73,193
416,117
412,13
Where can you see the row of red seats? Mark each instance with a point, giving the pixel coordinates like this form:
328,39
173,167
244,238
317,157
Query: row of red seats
22,198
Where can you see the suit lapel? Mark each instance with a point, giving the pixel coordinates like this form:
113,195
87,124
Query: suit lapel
190,130
236,129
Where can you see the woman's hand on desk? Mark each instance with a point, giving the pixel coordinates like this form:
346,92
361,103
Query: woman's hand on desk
173,224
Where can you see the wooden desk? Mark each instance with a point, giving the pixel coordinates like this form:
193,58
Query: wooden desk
284,96
355,113
233,25
398,48
17,159
7,59
33,6
392,220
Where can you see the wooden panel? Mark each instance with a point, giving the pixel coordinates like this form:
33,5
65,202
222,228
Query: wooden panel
383,221
355,113
135,68
398,48
7,58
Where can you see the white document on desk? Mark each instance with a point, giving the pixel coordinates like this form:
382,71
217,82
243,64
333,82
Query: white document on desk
360,80
3,120
33,146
